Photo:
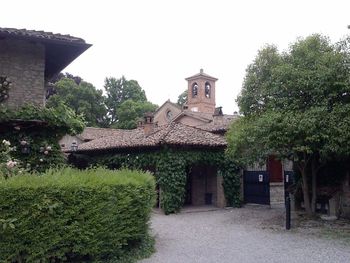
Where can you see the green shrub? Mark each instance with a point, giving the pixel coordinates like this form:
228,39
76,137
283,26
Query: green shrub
71,215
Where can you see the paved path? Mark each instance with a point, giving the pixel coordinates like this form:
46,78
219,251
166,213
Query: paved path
238,235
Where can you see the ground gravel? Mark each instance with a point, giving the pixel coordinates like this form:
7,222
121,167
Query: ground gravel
250,234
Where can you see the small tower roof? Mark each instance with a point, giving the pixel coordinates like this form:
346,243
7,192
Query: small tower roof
200,75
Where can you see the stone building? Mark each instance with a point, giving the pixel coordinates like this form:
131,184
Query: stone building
197,126
30,59
200,110
204,186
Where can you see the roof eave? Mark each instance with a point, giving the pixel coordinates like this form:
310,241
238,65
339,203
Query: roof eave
59,53
199,76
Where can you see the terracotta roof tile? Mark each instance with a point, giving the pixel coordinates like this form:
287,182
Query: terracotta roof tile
201,74
181,134
39,35
171,134
124,139
219,123
92,133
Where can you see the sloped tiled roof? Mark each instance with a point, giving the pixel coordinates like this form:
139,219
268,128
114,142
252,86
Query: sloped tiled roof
180,134
212,123
39,35
219,123
201,74
168,102
171,134
125,139
92,133
206,117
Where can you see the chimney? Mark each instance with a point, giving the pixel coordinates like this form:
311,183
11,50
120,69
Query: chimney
139,123
218,112
148,124
201,71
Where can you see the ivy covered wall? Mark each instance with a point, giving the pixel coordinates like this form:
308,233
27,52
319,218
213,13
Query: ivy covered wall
170,166
33,133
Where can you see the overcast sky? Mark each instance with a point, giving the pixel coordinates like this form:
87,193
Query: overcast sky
159,43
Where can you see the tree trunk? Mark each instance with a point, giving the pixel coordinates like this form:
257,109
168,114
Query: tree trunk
306,192
313,184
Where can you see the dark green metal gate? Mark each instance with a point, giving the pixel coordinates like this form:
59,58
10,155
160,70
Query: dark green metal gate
256,187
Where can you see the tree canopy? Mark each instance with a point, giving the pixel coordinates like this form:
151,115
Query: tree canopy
296,106
129,112
82,97
121,107
126,102
182,98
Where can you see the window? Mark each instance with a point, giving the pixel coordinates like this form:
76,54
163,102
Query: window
207,90
194,90
169,115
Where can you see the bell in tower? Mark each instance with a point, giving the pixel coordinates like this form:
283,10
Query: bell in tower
201,93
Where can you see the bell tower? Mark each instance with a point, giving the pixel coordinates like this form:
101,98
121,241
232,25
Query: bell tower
201,93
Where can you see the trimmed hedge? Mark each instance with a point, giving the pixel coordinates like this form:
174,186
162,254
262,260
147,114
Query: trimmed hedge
71,215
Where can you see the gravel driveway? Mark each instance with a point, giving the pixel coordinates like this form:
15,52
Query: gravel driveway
250,234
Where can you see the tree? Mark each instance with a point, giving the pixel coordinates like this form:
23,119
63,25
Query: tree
258,82
182,99
67,75
130,111
294,105
82,97
119,91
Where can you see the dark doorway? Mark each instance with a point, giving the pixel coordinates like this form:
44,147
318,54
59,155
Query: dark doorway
274,168
256,187
188,193
201,186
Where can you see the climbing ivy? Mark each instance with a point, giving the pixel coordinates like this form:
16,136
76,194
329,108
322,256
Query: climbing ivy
170,167
34,133
61,118
171,177
231,182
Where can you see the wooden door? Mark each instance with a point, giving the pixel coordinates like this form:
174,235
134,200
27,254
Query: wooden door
274,168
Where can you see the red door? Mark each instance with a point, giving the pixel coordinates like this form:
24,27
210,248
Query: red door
274,167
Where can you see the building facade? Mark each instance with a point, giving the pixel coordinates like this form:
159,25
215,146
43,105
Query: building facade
29,59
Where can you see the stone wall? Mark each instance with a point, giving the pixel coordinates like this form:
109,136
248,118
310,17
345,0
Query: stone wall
24,63
190,121
161,118
221,199
276,194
